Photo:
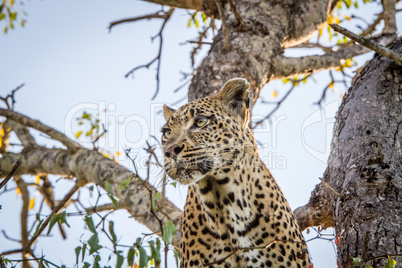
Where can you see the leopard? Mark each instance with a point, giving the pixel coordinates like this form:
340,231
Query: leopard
235,214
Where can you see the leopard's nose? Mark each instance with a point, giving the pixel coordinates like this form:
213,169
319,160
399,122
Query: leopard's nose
173,151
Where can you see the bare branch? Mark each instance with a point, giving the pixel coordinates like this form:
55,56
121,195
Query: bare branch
278,104
158,57
386,52
10,105
28,122
287,66
158,15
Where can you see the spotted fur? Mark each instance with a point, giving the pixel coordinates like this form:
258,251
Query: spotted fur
235,214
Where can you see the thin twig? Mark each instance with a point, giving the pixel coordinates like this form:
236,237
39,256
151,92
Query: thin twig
11,174
11,97
158,15
158,57
278,104
386,52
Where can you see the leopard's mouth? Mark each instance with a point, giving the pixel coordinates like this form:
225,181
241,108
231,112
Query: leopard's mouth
185,174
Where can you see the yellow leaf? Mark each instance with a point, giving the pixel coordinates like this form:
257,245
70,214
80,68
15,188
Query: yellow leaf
348,62
11,2
18,191
320,32
331,85
106,155
274,93
116,161
330,19
37,179
136,265
2,132
151,262
118,153
78,134
343,95
31,203
347,17
284,80
337,20
338,68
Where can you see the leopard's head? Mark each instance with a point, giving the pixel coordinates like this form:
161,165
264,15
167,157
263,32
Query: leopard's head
207,137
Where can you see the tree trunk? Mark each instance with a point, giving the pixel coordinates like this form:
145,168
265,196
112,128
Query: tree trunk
365,168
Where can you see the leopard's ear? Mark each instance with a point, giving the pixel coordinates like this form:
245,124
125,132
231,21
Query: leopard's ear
235,96
167,111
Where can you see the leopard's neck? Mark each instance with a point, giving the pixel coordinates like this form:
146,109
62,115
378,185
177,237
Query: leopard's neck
231,200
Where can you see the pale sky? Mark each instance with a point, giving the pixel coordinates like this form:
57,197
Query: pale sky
70,63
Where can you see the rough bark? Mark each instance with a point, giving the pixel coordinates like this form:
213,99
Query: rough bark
365,167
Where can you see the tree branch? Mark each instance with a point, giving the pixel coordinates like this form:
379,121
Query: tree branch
386,52
287,66
317,212
28,122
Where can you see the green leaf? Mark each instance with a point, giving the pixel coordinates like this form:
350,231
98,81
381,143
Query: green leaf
368,266
2,16
124,183
176,256
348,3
143,257
168,233
174,184
356,261
78,134
63,219
156,196
131,256
77,253
55,218
96,263
120,260
38,227
108,187
90,224
114,201
86,265
196,22
189,22
84,249
5,29
391,263
112,233
93,242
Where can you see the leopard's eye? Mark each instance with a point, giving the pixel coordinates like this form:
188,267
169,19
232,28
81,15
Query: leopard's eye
200,122
166,133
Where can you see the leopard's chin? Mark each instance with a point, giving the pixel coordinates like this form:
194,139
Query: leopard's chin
185,176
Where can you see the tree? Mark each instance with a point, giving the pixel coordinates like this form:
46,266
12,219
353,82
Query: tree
251,44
